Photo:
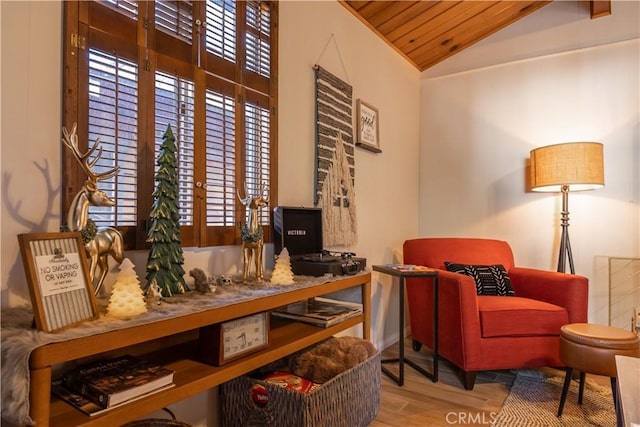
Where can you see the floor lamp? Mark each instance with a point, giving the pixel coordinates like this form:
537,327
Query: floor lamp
573,166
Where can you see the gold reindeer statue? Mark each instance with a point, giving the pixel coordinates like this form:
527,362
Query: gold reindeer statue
100,242
251,232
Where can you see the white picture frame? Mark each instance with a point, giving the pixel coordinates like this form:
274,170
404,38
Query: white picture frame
368,126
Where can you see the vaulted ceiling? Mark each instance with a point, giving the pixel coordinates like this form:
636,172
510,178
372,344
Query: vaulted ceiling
427,32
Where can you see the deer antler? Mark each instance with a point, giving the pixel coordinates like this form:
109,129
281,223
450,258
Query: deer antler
265,192
244,200
70,139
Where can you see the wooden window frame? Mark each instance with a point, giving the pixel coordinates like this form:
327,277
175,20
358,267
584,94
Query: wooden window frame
96,25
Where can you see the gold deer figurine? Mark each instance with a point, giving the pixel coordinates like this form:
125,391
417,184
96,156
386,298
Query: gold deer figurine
252,239
101,242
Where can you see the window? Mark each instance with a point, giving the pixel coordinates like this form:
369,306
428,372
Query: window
221,158
206,69
174,101
112,114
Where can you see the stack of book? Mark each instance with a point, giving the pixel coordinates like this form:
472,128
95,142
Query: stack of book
408,267
103,385
319,311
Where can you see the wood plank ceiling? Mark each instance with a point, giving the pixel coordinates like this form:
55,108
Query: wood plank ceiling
427,32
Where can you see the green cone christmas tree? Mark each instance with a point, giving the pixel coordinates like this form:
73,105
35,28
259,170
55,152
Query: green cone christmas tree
164,264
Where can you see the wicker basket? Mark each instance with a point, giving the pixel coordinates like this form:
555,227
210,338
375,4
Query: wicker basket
158,422
350,399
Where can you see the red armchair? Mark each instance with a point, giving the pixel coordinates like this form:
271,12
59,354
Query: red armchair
479,332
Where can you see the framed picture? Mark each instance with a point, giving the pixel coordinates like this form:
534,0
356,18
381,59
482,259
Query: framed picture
368,126
58,278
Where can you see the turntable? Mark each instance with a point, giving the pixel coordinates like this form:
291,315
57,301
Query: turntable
324,256
300,231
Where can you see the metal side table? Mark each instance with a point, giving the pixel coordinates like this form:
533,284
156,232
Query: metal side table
401,271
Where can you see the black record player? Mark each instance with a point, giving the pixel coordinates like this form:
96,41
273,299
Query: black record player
300,231
335,263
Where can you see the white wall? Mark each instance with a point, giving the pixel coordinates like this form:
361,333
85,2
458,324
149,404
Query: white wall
386,184
31,117
479,125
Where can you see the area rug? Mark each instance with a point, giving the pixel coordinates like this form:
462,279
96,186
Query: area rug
534,398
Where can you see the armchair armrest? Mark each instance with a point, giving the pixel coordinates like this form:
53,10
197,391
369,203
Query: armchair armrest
458,300
570,291
458,316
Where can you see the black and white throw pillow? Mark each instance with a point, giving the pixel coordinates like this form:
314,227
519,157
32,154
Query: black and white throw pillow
490,279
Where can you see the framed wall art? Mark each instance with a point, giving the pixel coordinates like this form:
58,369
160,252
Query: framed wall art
368,120
58,277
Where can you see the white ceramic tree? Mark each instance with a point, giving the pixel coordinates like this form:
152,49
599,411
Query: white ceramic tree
127,297
282,273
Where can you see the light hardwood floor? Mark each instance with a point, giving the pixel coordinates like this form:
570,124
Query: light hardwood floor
421,402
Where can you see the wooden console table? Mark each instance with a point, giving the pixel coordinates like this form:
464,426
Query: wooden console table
173,342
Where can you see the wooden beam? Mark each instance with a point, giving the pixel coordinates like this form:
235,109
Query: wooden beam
600,8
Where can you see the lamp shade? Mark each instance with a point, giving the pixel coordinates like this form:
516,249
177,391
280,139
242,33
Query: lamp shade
578,165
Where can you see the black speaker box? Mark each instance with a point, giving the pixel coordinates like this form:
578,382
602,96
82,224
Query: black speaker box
297,229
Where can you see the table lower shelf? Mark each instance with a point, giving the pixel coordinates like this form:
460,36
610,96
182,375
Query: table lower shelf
193,377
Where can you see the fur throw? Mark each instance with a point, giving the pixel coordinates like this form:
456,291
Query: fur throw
324,361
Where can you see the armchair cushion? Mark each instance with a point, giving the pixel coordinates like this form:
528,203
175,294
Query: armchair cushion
490,279
519,317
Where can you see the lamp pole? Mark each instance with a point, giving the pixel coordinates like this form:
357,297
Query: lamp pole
565,245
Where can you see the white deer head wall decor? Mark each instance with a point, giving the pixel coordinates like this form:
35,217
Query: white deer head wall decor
251,232
99,242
